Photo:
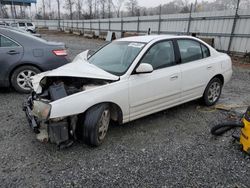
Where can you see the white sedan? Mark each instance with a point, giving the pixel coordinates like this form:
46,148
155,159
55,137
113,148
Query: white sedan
123,81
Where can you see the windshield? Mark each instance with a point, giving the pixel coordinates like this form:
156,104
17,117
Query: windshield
116,57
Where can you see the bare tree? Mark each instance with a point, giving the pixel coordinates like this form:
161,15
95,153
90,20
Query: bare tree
110,2
79,4
59,13
117,4
132,6
48,4
69,4
103,7
90,8
43,4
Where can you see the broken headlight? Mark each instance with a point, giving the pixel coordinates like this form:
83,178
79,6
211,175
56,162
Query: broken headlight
41,110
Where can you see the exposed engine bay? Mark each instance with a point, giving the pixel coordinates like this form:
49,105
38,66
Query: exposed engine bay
54,88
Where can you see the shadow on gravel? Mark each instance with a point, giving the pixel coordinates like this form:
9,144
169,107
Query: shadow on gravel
7,90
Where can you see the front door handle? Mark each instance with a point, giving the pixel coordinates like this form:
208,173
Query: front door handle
174,77
13,52
209,67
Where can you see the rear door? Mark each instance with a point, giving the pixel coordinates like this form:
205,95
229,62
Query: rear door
10,52
196,67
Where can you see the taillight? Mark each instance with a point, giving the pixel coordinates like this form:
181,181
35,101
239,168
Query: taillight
60,52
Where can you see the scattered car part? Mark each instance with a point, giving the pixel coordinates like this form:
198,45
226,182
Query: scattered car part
244,124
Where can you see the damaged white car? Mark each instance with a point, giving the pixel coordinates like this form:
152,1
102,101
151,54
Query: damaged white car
123,81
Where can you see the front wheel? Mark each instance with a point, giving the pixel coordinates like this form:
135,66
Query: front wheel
96,124
212,92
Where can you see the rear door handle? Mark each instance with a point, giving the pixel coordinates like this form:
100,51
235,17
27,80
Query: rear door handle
13,52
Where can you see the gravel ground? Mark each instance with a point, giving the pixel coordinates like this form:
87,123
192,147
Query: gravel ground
172,148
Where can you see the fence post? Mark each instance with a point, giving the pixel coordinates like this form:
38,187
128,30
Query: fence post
138,24
99,24
159,26
83,27
190,19
236,16
109,24
90,25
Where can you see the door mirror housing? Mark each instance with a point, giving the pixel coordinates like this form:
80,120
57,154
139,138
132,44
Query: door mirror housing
144,68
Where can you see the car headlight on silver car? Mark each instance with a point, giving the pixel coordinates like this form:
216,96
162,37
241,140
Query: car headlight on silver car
41,110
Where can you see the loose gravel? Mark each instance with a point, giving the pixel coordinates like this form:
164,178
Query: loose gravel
173,148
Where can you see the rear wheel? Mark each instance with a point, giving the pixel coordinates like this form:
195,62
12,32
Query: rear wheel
96,123
212,92
21,78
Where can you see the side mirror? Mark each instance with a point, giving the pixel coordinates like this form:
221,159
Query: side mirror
144,68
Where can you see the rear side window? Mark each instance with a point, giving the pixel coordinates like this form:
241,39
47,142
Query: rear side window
205,51
5,42
29,24
190,50
21,24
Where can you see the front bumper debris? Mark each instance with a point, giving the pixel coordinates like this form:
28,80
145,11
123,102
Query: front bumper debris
48,131
27,108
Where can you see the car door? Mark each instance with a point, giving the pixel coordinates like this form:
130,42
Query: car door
152,92
196,68
11,53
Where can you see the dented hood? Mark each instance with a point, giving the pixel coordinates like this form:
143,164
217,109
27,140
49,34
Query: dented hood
79,67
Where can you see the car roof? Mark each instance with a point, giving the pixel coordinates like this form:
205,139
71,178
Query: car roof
149,38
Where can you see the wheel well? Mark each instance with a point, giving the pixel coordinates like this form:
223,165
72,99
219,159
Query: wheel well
26,64
115,110
220,77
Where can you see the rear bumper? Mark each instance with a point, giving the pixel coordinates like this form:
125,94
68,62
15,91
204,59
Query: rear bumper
227,76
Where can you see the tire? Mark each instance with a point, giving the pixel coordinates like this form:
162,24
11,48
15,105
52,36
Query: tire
96,123
21,78
212,92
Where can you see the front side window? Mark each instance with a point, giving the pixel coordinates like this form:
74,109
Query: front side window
160,55
116,57
190,50
5,42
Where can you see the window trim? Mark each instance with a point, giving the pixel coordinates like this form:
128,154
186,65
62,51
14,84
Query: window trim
18,45
149,48
179,53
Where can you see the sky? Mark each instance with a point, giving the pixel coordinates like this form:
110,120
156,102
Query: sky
154,3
